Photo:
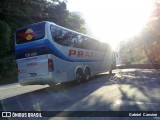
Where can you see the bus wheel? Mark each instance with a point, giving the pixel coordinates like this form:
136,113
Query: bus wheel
87,74
79,75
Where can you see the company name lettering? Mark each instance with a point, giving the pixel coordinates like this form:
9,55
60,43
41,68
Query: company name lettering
80,53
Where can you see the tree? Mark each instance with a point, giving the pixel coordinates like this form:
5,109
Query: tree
5,47
132,51
19,13
151,40
5,34
148,41
75,22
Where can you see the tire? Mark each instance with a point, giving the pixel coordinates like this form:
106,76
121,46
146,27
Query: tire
79,75
87,74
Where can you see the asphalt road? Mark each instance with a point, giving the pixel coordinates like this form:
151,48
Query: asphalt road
125,90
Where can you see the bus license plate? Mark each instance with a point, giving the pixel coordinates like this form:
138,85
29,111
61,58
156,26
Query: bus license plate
33,74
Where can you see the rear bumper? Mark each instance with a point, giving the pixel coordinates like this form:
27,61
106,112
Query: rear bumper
47,79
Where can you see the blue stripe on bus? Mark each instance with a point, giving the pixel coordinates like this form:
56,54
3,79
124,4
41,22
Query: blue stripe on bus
46,47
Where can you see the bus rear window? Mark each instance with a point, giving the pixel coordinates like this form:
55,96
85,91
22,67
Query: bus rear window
30,33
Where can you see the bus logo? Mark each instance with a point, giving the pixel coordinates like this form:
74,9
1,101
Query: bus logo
28,35
80,53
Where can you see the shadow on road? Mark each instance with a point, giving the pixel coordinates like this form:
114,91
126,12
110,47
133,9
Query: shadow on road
135,90
140,89
54,98
67,85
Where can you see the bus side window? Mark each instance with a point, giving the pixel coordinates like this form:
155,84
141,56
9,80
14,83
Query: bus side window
52,32
68,38
57,35
77,41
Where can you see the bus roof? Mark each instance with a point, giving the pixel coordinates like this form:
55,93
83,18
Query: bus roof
52,23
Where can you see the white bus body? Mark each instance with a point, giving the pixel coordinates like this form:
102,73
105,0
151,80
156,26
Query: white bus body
42,58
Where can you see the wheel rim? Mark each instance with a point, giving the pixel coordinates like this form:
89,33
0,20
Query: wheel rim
87,75
78,77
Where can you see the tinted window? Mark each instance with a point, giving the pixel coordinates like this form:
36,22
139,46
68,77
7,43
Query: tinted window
30,33
68,38
62,36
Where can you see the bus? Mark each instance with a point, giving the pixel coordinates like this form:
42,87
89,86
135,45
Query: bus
47,53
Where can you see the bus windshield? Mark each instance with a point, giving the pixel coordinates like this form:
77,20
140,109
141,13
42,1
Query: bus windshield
30,33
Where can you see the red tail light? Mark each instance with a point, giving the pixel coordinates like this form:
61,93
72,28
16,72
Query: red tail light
50,65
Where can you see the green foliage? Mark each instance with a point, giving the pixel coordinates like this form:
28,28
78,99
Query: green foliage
148,50
132,52
8,70
18,13
151,38
5,34
6,64
75,22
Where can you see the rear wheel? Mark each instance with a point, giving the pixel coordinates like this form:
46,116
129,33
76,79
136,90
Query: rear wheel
79,75
87,74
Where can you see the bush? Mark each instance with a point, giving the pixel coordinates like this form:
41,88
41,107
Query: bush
8,70
5,41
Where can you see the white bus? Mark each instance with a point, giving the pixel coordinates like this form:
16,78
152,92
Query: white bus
47,53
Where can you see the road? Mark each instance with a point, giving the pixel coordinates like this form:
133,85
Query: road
15,89
125,90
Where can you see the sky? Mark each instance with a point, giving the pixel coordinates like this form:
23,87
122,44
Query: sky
112,21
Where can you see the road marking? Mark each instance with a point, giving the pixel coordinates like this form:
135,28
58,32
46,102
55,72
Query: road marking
125,102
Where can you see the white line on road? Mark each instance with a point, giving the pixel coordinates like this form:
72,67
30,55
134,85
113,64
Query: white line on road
118,102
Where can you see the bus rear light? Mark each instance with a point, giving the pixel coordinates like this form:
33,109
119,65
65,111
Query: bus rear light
50,65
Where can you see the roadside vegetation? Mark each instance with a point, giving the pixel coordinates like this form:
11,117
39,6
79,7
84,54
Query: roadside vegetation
18,13
145,47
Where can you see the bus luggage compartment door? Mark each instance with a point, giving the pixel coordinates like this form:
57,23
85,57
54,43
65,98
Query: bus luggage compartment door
33,66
